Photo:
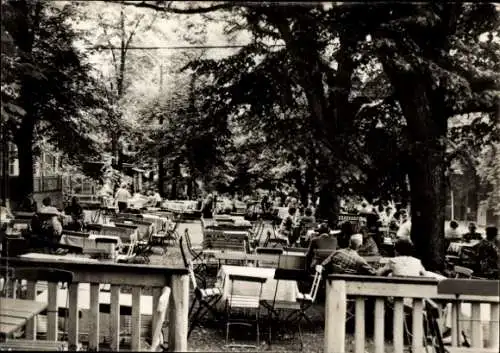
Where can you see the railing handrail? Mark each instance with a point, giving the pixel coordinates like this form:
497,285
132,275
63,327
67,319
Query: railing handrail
383,279
73,265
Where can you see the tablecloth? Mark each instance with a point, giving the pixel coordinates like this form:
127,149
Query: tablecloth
456,247
287,290
160,223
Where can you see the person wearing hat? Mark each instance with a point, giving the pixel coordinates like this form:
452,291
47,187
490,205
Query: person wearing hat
348,260
326,240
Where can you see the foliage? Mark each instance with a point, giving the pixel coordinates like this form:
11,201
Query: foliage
49,80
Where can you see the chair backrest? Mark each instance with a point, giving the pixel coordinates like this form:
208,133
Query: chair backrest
270,251
316,282
75,234
252,292
187,263
161,311
44,274
462,272
6,276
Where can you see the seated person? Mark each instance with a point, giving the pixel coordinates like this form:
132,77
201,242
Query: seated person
452,231
288,223
75,210
369,247
28,204
488,254
403,264
48,229
348,260
326,240
308,219
472,234
346,231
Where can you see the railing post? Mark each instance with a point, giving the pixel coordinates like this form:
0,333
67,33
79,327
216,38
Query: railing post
335,316
178,313
494,332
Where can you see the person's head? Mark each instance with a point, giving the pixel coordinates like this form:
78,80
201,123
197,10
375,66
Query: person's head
491,233
362,222
74,201
308,212
355,241
123,185
453,224
323,228
472,227
364,204
403,247
292,210
347,228
46,201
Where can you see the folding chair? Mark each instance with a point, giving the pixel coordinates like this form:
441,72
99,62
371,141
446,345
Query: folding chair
307,300
207,298
53,277
248,301
196,253
167,237
278,305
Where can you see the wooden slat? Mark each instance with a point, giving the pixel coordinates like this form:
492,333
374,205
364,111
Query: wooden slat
383,289
335,314
477,330
455,325
73,329
136,318
379,325
31,324
417,326
398,325
494,326
359,334
114,317
94,329
178,314
156,293
476,287
52,312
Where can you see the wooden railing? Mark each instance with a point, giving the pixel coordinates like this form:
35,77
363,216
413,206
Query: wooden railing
343,288
136,277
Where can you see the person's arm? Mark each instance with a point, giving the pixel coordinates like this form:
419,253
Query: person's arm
384,271
366,268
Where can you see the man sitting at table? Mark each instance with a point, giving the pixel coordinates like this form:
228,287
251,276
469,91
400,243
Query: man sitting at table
488,254
75,210
472,234
403,264
326,240
346,231
308,219
348,260
369,246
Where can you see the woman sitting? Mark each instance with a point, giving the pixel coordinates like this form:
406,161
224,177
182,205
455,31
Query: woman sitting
288,224
75,210
403,264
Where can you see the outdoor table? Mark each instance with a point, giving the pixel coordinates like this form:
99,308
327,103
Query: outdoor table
15,313
161,223
54,257
286,290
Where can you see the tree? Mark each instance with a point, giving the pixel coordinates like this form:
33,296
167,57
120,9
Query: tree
50,84
436,47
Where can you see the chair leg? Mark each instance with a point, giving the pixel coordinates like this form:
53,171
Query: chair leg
257,317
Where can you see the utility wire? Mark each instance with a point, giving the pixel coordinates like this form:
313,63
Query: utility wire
179,47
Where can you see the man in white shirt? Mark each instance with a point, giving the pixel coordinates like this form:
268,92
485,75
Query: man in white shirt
122,197
404,230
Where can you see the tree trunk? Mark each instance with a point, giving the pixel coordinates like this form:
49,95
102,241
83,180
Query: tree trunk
427,127
176,175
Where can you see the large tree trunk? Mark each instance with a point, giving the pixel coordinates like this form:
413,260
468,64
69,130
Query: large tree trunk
427,128
161,172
